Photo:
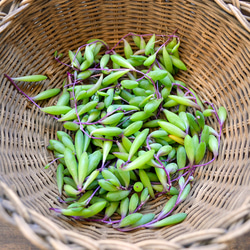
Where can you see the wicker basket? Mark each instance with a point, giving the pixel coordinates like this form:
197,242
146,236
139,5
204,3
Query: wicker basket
215,47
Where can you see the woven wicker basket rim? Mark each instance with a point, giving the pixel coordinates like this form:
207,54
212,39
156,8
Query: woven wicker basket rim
239,9
45,232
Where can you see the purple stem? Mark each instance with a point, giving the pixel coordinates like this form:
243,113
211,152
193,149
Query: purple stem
192,168
160,193
28,97
158,63
119,42
151,66
10,79
92,137
57,210
201,165
155,183
160,216
147,141
140,206
65,64
103,220
92,195
220,123
110,87
184,174
124,100
163,45
152,81
188,166
104,165
73,92
62,201
107,47
104,117
68,85
160,107
55,160
123,122
189,91
98,138
166,172
97,65
138,71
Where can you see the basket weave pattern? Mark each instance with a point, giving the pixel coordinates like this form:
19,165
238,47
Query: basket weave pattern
215,48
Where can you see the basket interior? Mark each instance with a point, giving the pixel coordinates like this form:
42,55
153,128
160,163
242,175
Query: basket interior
213,46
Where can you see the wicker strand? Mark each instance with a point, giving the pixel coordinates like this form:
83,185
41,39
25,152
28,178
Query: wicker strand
234,233
12,8
235,7
29,233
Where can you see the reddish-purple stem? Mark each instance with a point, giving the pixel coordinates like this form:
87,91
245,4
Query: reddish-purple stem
166,172
92,195
107,47
65,64
189,91
28,97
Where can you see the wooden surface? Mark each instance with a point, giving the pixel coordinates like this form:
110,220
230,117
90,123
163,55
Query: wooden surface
12,239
